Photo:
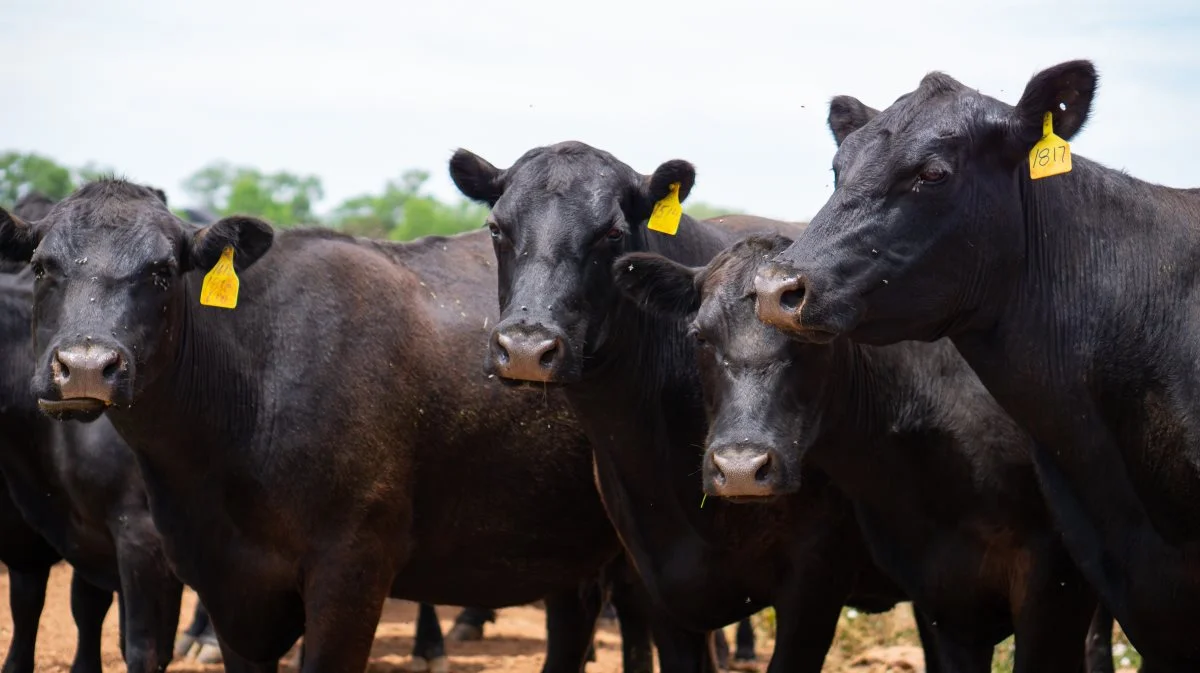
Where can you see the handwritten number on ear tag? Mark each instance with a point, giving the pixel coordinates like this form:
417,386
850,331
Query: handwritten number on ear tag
665,216
220,286
1052,155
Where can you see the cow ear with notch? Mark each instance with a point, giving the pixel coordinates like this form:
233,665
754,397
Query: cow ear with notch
1066,91
249,236
475,177
847,114
18,238
657,284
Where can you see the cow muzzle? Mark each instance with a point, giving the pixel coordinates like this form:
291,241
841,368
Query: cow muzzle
85,378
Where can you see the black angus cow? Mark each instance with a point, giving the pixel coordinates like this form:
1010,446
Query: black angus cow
560,215
1074,298
940,476
78,487
325,444
29,557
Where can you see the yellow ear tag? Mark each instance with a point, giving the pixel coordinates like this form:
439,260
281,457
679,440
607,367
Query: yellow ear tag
1052,155
665,216
220,286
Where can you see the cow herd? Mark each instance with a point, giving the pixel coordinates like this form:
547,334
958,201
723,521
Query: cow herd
965,384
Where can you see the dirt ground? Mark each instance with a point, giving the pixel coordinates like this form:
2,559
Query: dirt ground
514,643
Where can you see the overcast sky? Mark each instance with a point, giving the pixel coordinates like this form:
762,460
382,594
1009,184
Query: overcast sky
358,91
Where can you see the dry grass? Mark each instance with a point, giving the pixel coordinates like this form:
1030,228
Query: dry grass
888,643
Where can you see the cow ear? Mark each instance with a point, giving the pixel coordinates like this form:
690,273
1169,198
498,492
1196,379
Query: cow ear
847,114
1066,91
249,236
657,284
18,238
475,177
162,196
658,185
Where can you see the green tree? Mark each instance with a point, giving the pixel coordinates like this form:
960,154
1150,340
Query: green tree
402,212
704,211
22,173
283,198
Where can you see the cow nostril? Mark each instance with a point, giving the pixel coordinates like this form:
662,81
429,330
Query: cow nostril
110,370
503,343
550,354
64,372
763,472
790,300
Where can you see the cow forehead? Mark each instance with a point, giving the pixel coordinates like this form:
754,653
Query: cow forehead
114,245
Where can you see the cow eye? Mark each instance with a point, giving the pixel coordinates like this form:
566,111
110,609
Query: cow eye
39,270
494,230
933,175
698,336
615,234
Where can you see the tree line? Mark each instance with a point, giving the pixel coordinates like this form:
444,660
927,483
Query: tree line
400,211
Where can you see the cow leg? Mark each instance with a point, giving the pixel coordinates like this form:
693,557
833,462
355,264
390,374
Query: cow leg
929,642
631,605
27,597
807,611
149,601
429,648
1057,612
89,607
343,601
721,647
745,643
201,625
1098,652
469,624
681,650
570,623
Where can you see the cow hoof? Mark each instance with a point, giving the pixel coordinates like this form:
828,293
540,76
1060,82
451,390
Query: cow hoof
209,654
183,646
417,665
440,665
462,633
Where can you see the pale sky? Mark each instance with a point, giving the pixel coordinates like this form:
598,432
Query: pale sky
356,91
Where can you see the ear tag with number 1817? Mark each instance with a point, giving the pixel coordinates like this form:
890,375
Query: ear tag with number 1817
1051,155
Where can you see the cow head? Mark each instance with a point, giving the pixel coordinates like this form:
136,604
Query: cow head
925,226
560,215
109,298
762,390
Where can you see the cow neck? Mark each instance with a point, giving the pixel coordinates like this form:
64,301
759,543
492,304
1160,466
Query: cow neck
640,395
210,392
1101,248
849,408
871,399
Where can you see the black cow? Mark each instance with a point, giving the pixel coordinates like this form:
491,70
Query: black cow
78,486
560,215
325,444
1072,297
28,558
940,476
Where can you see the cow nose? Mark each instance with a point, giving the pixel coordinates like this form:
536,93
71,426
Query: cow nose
527,356
741,471
86,372
779,297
